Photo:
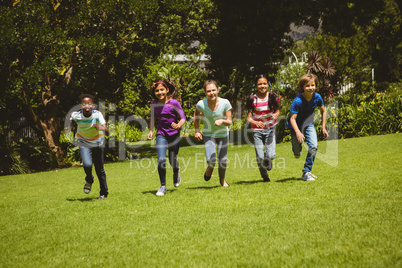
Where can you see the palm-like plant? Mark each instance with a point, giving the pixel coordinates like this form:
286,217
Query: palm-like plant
314,63
327,68
324,70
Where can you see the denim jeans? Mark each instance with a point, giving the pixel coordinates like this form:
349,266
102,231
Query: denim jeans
264,139
163,143
95,155
311,139
211,145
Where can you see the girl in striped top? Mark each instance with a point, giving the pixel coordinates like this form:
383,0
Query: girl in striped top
263,112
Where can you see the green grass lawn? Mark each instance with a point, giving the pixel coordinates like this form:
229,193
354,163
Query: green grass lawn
349,217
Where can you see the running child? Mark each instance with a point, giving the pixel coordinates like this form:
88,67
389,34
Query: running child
263,110
169,117
90,127
301,122
217,117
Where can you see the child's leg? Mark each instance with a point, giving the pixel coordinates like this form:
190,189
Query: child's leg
86,157
270,147
222,155
271,144
210,153
161,148
98,158
174,145
311,139
259,153
296,145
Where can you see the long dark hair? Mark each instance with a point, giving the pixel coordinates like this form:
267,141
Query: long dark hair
273,100
169,85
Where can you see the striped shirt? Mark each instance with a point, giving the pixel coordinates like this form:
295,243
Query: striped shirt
262,112
86,132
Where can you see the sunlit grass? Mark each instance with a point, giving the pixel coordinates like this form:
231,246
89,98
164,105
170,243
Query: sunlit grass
350,216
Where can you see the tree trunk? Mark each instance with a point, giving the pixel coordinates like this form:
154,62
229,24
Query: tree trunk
49,126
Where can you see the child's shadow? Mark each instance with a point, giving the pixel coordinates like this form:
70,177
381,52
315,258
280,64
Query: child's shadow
290,179
154,192
203,187
86,199
249,182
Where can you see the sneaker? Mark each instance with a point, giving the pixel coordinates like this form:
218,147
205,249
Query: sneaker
87,187
102,196
266,179
297,156
267,163
161,191
176,179
307,176
207,178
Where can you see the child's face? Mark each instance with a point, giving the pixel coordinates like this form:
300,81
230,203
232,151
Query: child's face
309,87
211,91
87,105
262,85
160,92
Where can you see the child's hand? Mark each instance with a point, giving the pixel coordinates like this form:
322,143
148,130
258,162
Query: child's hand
324,131
198,136
218,122
275,115
175,126
300,137
97,126
259,124
149,137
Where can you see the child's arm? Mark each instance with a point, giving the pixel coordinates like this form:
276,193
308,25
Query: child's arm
250,119
151,128
227,122
197,135
181,114
102,128
179,125
275,115
300,136
324,120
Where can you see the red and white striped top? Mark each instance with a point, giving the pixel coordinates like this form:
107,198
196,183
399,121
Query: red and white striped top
261,112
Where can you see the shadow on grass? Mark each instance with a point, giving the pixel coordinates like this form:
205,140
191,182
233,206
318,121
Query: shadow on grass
290,179
203,187
249,182
86,199
154,192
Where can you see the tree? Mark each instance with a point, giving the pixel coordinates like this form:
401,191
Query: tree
51,52
384,38
249,39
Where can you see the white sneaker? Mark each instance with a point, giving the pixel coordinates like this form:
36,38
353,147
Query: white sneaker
161,191
176,179
308,176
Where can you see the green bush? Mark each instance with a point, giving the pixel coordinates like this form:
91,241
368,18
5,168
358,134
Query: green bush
36,153
372,113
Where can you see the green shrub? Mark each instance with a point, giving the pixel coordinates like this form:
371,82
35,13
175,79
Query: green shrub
37,155
376,113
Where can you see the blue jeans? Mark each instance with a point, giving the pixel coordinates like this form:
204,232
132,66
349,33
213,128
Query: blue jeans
264,139
162,145
311,139
95,154
221,144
